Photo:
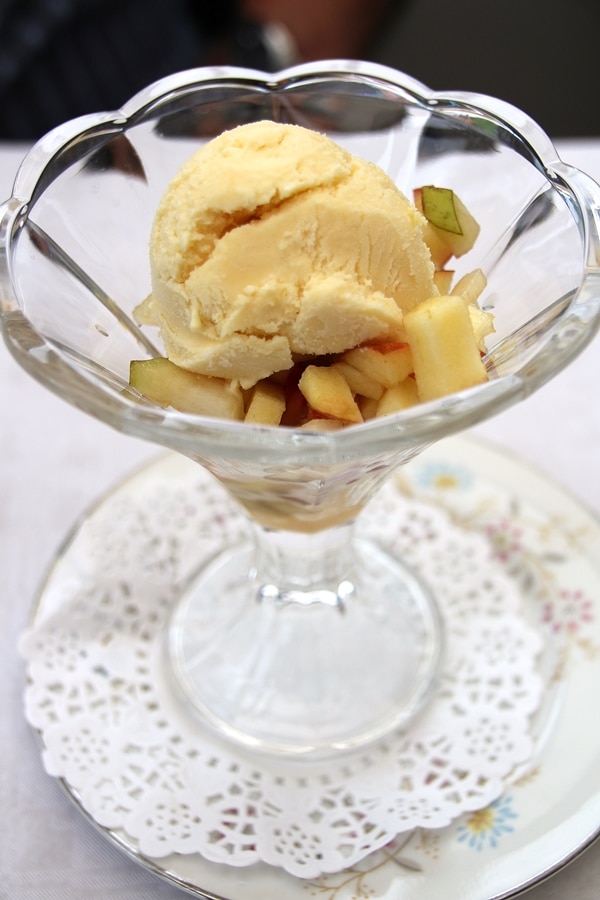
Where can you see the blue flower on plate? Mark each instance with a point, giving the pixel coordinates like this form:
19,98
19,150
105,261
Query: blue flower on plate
485,827
443,476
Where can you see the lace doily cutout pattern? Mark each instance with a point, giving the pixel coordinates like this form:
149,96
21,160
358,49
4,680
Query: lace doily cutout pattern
112,729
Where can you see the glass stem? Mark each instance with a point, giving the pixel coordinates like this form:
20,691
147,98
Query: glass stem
298,568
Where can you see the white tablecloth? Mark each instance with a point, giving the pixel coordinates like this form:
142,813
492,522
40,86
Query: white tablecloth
54,461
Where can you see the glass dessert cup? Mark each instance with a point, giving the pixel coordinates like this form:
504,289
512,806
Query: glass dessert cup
303,639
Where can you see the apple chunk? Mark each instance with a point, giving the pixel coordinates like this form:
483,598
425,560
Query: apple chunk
444,347
482,323
267,404
386,363
328,394
470,286
359,382
169,385
401,396
442,278
448,217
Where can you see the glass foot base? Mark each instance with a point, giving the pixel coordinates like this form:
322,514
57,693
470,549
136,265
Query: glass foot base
305,672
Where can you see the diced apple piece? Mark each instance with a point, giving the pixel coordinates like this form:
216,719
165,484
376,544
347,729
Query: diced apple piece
470,286
440,251
439,208
322,425
359,382
389,364
449,217
368,407
482,323
397,398
442,278
169,385
267,404
438,247
444,348
326,391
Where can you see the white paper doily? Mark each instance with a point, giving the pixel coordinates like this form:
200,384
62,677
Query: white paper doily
113,730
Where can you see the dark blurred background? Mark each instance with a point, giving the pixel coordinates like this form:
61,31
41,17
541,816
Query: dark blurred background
62,58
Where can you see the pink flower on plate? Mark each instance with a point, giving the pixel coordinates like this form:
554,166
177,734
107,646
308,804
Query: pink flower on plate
569,611
505,539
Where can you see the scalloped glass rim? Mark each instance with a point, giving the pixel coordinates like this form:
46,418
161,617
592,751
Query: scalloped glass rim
572,319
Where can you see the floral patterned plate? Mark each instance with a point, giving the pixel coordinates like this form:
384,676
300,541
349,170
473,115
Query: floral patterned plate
551,810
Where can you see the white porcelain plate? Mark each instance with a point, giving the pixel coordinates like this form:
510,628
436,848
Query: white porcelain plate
550,811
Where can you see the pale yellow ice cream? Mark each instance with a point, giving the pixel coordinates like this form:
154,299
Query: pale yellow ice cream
273,243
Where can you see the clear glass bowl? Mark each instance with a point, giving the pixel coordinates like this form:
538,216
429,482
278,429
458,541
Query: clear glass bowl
305,639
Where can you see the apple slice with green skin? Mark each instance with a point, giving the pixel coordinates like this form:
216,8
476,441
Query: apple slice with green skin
169,385
440,251
448,216
438,248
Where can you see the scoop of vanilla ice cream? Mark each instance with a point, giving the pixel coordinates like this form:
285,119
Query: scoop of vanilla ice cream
273,242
